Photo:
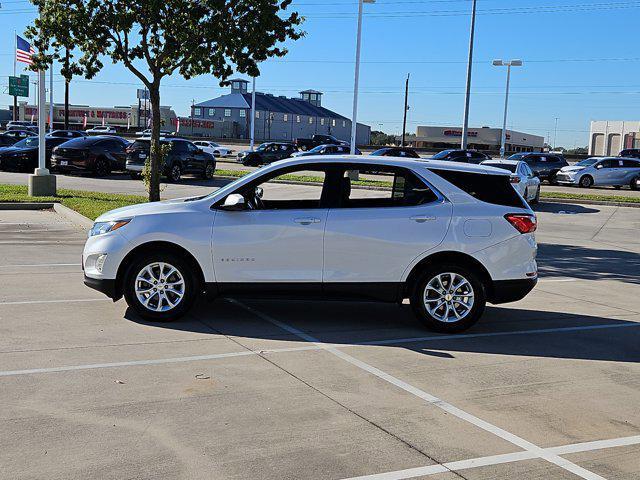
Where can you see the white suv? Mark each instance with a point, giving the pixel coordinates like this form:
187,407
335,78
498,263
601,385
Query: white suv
448,236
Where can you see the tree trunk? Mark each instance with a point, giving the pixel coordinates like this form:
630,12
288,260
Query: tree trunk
155,154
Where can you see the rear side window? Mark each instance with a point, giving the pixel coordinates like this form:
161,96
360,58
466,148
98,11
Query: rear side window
494,189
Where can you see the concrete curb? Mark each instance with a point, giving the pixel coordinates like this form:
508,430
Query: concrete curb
26,205
73,216
604,203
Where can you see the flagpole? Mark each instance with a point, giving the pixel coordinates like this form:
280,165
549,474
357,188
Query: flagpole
51,99
15,67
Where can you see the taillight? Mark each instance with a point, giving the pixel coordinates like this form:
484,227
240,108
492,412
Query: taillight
522,222
515,179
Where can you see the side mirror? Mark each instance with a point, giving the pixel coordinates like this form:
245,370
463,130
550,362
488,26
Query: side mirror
233,203
599,166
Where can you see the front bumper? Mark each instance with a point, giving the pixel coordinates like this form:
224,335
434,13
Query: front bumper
566,179
106,286
505,291
134,167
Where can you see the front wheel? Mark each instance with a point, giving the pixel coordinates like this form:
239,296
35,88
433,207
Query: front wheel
635,184
102,167
448,298
209,170
175,173
586,181
160,286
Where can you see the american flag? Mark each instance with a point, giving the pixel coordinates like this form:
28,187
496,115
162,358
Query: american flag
24,51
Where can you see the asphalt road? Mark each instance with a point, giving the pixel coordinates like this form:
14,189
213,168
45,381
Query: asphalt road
545,388
193,186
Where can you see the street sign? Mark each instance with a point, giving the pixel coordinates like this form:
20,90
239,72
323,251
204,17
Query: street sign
143,94
19,86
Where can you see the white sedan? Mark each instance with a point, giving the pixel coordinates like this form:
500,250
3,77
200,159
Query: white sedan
102,130
523,179
213,148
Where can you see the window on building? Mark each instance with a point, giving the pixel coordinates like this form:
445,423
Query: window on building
235,85
212,112
333,122
243,113
197,112
310,120
257,114
322,121
344,123
285,117
227,112
297,118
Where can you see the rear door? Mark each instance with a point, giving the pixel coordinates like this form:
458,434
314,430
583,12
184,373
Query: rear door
374,235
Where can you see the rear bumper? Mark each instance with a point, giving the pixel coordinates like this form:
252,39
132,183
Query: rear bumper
106,286
134,168
505,291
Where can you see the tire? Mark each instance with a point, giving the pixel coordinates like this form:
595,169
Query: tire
148,266
552,178
175,173
442,275
586,181
101,167
635,184
209,171
526,195
135,175
536,200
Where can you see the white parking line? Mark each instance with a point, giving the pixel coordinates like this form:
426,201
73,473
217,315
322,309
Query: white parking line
42,265
537,451
498,459
315,346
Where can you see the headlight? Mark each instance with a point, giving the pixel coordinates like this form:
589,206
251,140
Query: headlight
100,228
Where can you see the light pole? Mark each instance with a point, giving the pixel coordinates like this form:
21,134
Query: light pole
555,134
253,116
354,120
508,64
467,97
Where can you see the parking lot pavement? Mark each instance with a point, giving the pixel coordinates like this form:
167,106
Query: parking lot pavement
245,388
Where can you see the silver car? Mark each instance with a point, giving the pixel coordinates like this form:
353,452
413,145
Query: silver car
523,179
598,171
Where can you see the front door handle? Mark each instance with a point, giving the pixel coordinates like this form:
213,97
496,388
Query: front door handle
422,218
306,220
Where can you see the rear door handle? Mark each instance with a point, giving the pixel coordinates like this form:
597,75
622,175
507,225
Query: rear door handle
306,220
422,218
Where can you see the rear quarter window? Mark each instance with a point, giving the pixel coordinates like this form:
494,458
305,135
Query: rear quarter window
495,189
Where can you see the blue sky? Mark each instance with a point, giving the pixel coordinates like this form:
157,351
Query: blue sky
580,64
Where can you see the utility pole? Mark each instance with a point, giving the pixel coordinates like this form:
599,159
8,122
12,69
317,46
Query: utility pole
253,117
15,61
555,134
465,122
51,99
193,109
66,91
406,108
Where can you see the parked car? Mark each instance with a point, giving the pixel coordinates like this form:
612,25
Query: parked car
20,124
600,172
102,130
630,152
267,153
327,150
13,136
23,155
545,165
213,148
522,178
68,134
183,157
147,133
305,144
449,237
396,152
32,129
99,155
466,156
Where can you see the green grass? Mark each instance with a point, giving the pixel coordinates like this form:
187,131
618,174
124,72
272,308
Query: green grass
590,196
89,204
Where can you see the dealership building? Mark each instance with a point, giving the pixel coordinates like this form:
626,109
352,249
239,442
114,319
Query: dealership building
608,137
484,138
276,117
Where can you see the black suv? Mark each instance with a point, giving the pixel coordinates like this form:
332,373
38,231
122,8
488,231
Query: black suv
466,156
403,152
183,157
544,165
267,153
630,153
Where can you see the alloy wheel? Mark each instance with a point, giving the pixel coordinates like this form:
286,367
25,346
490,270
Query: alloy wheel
448,297
159,287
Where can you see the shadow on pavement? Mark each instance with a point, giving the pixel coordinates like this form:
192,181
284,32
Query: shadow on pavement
564,208
588,263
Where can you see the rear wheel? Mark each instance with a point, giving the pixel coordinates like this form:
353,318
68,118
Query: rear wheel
552,178
536,200
101,168
448,298
586,181
175,173
209,170
635,184
160,286
134,175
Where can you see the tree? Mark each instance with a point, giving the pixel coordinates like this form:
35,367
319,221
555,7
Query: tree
155,38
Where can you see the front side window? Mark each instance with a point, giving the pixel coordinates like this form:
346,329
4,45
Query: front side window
408,190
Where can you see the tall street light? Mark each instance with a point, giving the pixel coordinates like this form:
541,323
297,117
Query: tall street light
467,97
354,120
508,64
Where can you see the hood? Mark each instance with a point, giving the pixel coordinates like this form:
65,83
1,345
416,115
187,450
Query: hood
150,208
573,168
11,150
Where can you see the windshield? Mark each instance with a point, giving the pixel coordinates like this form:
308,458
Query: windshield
442,154
587,162
504,166
27,142
517,156
262,146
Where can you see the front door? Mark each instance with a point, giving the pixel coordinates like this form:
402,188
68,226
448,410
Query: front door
277,239
374,235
